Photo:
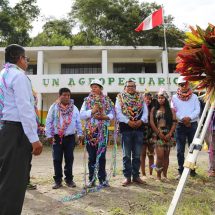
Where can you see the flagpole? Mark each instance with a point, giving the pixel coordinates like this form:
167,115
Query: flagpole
164,31
165,55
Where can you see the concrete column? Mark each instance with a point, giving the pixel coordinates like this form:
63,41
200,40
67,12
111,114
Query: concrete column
40,63
39,103
165,62
159,66
104,62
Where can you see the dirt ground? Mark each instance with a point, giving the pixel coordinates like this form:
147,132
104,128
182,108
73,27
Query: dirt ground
152,198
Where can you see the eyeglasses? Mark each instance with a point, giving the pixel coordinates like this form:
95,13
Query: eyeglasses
182,84
27,59
131,86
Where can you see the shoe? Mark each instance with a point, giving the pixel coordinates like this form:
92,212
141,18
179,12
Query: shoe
165,179
126,182
71,184
178,177
91,184
145,177
139,180
57,186
31,186
104,184
193,173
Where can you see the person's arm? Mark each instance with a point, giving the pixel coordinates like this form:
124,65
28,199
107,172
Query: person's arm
85,114
145,114
196,112
49,122
78,124
23,98
152,123
119,115
172,129
174,106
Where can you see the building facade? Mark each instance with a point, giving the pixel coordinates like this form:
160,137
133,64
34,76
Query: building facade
75,67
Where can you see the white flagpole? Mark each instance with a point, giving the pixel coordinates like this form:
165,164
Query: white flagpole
165,54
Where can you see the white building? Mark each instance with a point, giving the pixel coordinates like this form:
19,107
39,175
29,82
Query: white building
74,67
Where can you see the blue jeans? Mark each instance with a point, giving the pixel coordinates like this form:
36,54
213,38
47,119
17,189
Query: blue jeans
183,134
132,142
66,149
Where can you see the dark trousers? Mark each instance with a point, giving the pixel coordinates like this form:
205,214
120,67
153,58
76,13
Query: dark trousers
92,151
15,153
66,149
183,134
29,174
132,143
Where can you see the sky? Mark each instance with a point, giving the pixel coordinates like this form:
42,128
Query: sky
186,12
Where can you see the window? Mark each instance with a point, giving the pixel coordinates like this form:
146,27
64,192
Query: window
172,68
134,68
81,68
32,69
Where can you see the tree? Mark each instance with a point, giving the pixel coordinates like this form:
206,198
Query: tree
55,33
16,21
114,21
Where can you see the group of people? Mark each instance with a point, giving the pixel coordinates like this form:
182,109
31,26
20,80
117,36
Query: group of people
147,126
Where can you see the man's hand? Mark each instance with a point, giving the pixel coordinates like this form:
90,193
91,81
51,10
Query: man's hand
186,121
95,109
50,140
37,148
80,139
132,124
138,123
101,117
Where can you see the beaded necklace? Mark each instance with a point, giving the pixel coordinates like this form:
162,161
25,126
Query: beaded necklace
96,132
131,104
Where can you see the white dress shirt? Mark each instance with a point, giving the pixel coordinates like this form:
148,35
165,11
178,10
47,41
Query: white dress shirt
18,102
189,108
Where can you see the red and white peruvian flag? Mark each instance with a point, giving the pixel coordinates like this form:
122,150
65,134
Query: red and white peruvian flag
155,19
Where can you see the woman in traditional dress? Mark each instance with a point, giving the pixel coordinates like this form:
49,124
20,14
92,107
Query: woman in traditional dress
163,123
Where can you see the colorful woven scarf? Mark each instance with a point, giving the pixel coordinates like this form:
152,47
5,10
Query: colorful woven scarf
96,129
64,112
35,102
184,96
3,87
131,104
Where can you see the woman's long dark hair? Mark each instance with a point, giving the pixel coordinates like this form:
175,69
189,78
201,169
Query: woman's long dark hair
168,113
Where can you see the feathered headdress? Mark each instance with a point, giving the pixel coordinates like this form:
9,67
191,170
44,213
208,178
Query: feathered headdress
196,60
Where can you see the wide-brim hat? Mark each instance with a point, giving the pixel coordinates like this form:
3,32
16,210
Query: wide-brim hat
97,82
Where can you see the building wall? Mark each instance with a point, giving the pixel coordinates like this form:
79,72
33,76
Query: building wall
49,79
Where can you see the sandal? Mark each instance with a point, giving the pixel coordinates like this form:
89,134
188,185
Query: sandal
211,173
